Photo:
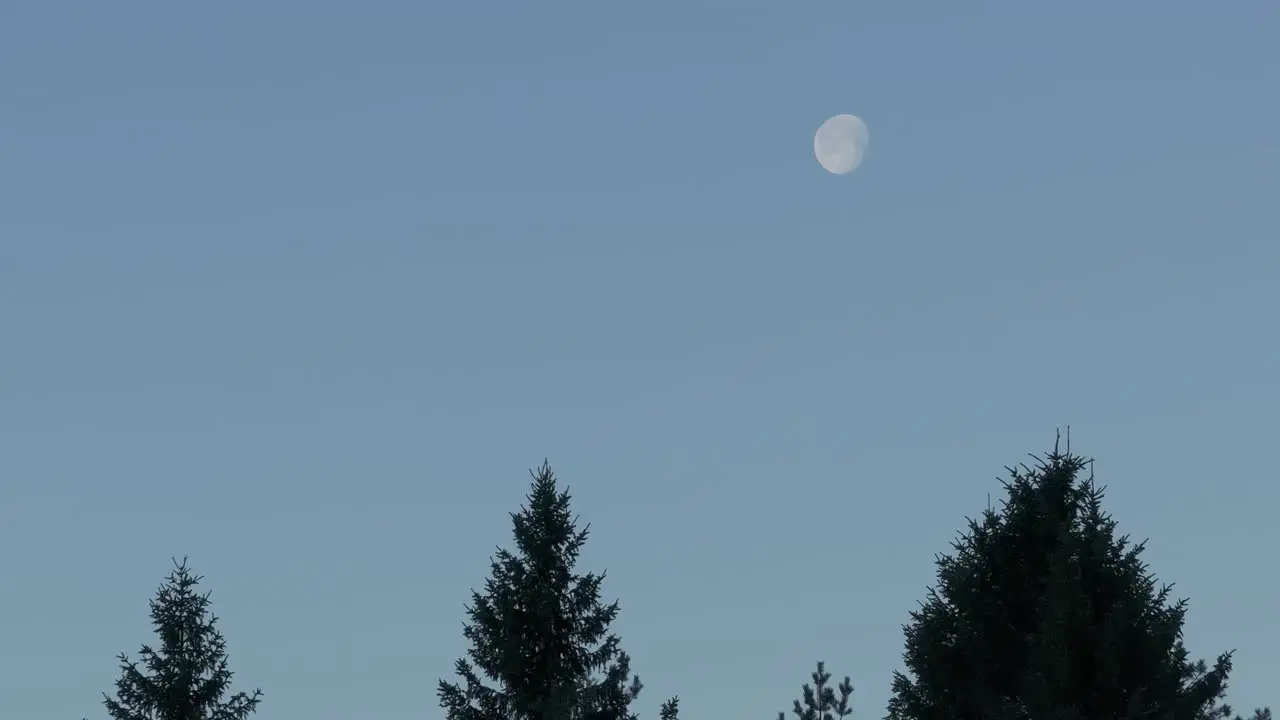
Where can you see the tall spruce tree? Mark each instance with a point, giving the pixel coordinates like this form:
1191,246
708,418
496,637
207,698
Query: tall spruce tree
820,701
540,630
1043,613
186,678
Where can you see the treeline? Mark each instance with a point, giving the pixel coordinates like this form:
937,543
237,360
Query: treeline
1041,611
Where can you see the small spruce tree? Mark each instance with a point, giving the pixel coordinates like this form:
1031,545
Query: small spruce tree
1043,613
186,677
540,630
820,701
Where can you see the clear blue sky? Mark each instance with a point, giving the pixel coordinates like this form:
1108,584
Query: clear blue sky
302,291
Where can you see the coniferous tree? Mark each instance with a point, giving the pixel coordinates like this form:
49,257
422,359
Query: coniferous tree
820,701
186,677
540,630
1043,613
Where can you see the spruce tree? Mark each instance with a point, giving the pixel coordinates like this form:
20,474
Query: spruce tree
540,631
186,677
1043,613
820,702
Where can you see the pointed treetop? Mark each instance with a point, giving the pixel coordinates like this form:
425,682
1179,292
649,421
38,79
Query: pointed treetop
540,631
186,677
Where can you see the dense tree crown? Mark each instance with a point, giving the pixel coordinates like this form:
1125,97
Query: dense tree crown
540,631
186,677
1043,613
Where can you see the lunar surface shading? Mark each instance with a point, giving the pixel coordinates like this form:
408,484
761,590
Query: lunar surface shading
841,143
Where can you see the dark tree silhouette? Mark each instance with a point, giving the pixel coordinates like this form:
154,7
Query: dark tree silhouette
186,677
1043,613
820,701
540,630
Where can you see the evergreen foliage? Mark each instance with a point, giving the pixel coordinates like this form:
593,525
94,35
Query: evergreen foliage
1043,613
819,699
186,678
540,631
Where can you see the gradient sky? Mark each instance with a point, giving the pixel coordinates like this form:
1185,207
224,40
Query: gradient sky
303,290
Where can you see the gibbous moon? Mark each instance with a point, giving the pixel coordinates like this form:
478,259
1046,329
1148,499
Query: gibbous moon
841,143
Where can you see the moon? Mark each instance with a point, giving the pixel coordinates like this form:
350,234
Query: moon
841,143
